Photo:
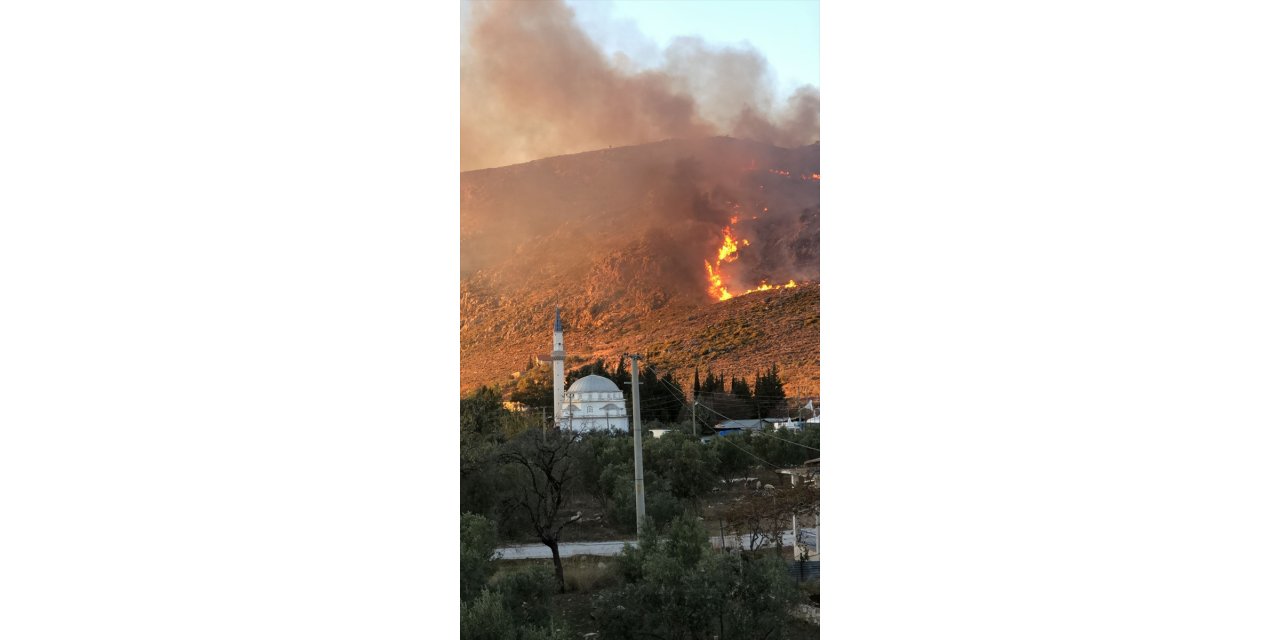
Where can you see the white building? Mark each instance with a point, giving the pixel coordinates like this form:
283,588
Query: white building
594,403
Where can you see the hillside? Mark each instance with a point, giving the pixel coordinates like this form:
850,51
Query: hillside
638,245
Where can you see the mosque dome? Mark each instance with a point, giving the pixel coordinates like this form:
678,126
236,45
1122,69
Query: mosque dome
593,384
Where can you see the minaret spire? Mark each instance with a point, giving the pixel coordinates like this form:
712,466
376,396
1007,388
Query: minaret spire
557,368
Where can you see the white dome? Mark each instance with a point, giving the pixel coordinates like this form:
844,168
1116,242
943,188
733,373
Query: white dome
592,384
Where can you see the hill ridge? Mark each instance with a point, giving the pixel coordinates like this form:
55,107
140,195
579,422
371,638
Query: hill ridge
623,239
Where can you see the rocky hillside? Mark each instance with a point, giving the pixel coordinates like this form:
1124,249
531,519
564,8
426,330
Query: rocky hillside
626,240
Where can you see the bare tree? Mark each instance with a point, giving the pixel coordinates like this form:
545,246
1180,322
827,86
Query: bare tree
544,466
765,514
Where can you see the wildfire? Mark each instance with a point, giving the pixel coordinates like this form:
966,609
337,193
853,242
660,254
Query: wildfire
811,177
730,246
717,288
765,286
728,252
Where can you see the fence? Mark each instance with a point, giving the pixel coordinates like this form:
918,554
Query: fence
804,570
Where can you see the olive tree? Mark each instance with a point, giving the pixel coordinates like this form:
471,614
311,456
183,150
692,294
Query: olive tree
544,471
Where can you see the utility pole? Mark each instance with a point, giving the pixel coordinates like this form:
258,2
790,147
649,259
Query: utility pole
695,419
637,435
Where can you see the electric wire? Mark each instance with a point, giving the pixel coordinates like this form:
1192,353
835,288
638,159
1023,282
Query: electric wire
735,444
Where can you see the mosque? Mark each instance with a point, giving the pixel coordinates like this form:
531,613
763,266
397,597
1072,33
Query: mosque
592,403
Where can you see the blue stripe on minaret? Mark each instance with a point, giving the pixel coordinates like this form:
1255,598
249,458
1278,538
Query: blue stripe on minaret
558,327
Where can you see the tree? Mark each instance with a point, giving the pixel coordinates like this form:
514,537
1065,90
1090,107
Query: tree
657,402
622,373
516,606
497,614
544,469
676,588
659,505
766,514
688,466
711,399
483,427
713,384
479,540
602,455
743,403
533,387
768,393
596,368
732,459
676,404
482,419
786,448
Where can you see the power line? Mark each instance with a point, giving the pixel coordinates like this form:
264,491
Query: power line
740,448
749,453
790,441
766,434
754,395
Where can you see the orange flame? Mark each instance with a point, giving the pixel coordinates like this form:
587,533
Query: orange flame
728,252
765,286
717,288
730,246
803,176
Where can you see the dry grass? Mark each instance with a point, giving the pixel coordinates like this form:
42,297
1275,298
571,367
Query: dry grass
739,337
588,574
582,574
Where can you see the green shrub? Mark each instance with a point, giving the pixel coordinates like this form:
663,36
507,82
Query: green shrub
484,618
676,587
479,539
526,594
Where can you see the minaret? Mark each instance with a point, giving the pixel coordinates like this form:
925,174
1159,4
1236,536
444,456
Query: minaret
557,368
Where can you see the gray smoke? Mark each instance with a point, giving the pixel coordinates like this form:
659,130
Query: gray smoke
535,85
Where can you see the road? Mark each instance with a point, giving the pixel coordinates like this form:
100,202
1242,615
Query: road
608,547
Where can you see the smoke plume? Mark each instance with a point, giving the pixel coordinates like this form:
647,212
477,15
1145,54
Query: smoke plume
535,85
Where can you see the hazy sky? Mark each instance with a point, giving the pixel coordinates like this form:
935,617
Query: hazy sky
785,31
552,77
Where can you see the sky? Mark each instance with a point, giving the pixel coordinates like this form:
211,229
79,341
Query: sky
785,31
548,78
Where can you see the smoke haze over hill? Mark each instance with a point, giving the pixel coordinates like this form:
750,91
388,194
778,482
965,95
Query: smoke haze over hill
615,236
534,85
